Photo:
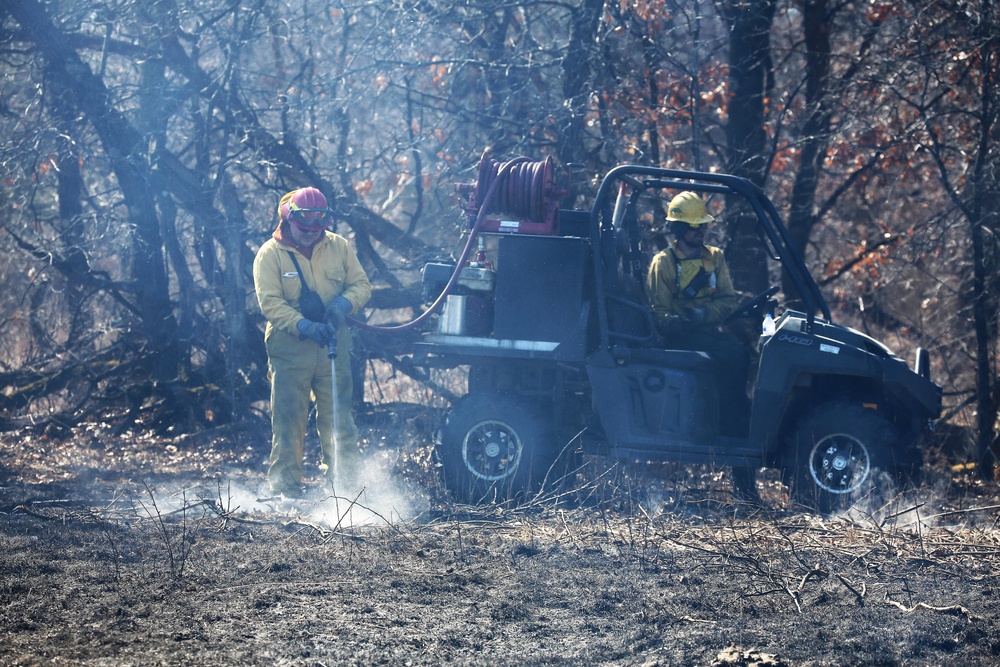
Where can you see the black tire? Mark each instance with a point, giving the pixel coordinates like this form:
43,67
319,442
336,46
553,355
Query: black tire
494,448
841,453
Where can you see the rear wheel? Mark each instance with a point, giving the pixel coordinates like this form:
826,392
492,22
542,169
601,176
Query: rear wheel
494,448
841,453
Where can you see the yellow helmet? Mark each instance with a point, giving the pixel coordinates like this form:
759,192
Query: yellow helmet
688,207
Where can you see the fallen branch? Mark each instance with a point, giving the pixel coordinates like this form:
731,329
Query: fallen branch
230,430
860,595
57,503
26,509
900,513
953,610
987,508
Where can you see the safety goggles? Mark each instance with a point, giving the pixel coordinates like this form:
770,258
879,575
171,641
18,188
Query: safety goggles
310,219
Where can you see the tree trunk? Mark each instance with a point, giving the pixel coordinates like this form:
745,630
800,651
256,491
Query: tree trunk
577,71
985,246
801,216
750,78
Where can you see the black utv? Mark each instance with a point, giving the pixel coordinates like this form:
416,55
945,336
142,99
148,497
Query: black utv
559,342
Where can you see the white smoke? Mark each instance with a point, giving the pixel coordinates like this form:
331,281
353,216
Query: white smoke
917,509
374,498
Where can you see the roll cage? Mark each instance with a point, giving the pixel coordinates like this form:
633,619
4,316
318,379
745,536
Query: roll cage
614,232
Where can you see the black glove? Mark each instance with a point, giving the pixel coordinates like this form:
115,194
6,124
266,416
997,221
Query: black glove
696,315
337,311
673,325
318,332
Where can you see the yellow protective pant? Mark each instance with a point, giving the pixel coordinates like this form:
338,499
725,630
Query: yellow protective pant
301,371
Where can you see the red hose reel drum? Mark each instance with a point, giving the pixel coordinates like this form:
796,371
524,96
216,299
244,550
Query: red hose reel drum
525,201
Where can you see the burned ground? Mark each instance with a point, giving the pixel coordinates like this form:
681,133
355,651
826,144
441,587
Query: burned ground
125,549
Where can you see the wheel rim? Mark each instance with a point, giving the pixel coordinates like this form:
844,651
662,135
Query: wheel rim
839,463
492,450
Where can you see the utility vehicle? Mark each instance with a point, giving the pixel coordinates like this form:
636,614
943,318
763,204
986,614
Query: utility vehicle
560,346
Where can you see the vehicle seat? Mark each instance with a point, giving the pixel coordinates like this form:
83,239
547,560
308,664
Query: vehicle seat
629,316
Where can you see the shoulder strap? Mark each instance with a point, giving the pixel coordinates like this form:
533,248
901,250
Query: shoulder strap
705,277
298,270
310,303
677,272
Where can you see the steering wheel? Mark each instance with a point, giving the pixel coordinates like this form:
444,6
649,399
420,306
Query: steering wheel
747,309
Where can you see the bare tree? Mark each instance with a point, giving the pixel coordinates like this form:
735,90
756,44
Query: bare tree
956,59
146,144
200,115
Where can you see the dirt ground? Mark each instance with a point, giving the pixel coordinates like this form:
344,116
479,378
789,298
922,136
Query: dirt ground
124,549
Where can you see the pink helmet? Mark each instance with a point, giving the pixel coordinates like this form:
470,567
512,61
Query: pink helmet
297,206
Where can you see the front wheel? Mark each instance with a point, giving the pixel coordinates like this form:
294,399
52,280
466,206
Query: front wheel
494,448
841,453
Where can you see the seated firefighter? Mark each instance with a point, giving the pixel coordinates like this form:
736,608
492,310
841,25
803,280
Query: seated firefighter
691,293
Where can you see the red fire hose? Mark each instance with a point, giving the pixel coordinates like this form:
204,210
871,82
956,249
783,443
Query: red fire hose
517,184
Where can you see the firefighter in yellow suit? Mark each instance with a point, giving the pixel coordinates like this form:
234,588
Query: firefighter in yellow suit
303,260
691,293
689,283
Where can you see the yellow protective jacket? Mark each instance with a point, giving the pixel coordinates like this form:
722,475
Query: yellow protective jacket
333,270
669,277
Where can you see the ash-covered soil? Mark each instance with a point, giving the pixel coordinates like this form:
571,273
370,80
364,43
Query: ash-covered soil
125,549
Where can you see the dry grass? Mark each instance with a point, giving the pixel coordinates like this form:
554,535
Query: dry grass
128,550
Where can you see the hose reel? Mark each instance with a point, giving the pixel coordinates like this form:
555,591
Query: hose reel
526,200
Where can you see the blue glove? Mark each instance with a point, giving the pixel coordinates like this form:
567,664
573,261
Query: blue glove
338,310
318,332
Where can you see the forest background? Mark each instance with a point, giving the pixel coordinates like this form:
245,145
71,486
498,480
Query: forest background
144,145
